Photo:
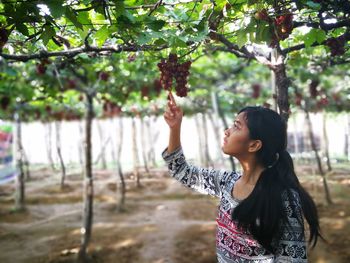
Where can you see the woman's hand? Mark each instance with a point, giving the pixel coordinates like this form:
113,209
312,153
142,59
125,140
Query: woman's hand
173,113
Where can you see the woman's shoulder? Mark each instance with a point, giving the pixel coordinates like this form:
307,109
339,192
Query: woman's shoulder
228,178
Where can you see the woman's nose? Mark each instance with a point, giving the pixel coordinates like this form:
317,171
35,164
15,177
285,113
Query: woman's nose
226,132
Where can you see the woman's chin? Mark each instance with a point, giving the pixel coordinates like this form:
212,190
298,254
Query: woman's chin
223,149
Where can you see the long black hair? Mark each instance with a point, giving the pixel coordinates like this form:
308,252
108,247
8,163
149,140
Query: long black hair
263,213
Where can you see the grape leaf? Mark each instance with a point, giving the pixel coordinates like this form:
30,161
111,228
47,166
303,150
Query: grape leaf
56,8
73,18
22,28
101,35
47,34
241,38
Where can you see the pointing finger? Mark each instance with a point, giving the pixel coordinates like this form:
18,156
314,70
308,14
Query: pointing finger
171,98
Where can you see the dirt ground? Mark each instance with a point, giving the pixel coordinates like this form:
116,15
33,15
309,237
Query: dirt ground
164,222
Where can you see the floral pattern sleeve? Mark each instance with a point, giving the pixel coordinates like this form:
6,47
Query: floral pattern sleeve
291,247
203,180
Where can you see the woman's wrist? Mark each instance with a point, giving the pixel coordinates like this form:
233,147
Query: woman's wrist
176,128
174,138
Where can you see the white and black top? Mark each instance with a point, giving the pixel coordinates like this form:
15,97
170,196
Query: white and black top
232,243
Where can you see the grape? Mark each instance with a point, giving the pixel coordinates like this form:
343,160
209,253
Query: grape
131,57
104,75
262,15
48,109
336,45
40,69
71,84
144,91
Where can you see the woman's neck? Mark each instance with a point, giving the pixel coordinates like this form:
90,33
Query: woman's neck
251,171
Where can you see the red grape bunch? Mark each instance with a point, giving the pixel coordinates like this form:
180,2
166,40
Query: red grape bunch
336,45
284,25
173,69
4,37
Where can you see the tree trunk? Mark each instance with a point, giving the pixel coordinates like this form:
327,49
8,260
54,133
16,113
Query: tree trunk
347,138
144,145
325,139
274,56
153,135
81,143
318,159
135,152
102,150
282,84
207,160
217,138
26,165
346,145
151,152
113,154
122,190
88,184
102,144
20,182
48,137
220,113
59,153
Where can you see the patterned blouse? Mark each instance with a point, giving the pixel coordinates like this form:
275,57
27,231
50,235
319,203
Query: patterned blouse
232,243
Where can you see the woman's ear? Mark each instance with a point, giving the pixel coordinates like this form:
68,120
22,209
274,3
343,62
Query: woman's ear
255,145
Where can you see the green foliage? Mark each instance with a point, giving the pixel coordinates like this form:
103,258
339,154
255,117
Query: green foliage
140,31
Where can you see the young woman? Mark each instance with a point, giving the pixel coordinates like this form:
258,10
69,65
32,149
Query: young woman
261,212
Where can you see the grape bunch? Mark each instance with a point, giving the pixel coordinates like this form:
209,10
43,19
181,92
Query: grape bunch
284,25
42,66
110,108
4,102
336,45
4,36
256,91
172,69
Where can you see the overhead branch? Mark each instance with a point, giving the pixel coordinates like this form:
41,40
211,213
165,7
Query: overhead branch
315,44
226,49
79,50
149,6
243,52
322,25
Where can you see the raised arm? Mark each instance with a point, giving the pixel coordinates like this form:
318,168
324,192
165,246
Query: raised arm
203,180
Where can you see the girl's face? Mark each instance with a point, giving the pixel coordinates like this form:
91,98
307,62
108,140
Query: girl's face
236,140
